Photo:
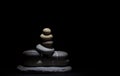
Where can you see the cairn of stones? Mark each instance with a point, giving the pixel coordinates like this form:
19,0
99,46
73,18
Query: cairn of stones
45,58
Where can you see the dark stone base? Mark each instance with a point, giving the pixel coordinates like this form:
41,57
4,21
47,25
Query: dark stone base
44,69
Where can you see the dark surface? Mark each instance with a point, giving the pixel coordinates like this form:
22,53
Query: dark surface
70,73
48,74
63,74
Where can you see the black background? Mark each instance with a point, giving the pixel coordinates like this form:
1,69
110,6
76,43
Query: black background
83,35
71,35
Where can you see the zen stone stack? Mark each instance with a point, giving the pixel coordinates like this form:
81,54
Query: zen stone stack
46,46
45,58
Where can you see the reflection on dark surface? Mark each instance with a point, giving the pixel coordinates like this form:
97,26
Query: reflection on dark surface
18,73
83,72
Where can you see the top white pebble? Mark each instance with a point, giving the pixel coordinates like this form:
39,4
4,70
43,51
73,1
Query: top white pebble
46,30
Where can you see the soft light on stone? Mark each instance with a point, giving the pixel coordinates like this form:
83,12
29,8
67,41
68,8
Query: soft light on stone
46,37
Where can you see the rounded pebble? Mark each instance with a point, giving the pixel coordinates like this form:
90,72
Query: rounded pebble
46,30
46,37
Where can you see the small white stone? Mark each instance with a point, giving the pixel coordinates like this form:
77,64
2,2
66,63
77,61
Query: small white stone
46,30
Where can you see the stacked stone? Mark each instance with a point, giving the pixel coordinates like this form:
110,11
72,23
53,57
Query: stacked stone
44,58
46,47
47,37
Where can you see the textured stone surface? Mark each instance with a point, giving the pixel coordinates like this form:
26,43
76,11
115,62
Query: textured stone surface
45,62
33,58
44,69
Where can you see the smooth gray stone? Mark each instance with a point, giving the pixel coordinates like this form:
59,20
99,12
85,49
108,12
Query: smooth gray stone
32,57
44,69
31,53
42,48
47,51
